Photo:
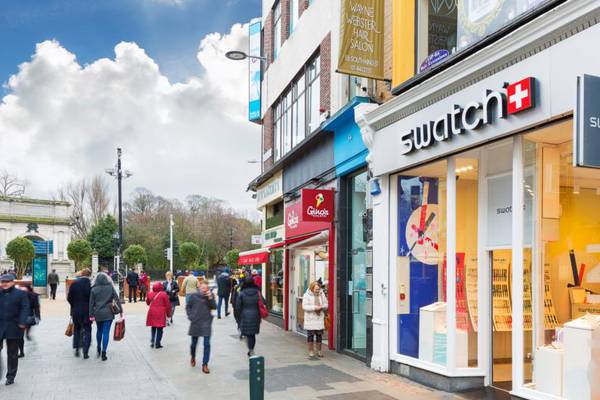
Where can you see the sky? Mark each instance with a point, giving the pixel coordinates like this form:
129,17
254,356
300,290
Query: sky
83,77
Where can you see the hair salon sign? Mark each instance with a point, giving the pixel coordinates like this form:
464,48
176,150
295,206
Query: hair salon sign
519,96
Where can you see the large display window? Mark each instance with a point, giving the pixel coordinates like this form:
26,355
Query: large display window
421,246
565,267
275,282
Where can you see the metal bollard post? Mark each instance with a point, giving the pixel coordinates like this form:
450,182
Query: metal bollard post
257,378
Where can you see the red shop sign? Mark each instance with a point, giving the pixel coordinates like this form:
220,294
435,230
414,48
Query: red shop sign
258,258
318,205
295,226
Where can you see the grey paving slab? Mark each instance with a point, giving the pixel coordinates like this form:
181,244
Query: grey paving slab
134,370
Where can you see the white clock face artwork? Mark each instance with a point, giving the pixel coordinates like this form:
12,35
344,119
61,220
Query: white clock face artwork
422,234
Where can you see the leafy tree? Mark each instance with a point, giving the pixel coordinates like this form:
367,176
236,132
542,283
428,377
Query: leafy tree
21,251
134,254
190,253
232,257
79,251
101,239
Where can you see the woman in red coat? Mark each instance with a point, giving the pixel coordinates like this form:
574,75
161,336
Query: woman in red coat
159,311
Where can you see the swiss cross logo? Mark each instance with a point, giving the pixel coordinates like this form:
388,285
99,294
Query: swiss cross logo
521,95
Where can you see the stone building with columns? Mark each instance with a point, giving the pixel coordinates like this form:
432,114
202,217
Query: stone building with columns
47,223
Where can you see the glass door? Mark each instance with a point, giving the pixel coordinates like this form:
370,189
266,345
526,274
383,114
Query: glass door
302,282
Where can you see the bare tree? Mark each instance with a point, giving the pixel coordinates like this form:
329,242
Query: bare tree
98,199
76,194
11,185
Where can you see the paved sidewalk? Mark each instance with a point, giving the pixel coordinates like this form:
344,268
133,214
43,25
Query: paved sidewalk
134,370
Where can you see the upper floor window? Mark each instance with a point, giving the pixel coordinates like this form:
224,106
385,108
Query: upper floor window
445,27
297,112
294,14
276,29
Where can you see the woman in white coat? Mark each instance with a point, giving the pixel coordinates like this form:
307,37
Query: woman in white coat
314,304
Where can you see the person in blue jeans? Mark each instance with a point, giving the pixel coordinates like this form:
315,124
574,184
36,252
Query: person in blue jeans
198,309
104,304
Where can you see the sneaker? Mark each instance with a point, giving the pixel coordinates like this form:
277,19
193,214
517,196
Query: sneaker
9,381
86,356
104,358
21,355
77,353
158,346
205,369
251,353
193,362
311,354
320,354
152,345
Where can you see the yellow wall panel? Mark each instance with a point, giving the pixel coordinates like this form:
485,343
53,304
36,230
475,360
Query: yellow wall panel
403,62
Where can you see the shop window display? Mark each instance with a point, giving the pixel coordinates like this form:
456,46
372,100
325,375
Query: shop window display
276,281
420,257
565,266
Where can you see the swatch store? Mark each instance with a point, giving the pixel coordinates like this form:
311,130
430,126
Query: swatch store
490,229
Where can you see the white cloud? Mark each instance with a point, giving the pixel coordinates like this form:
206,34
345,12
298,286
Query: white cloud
63,121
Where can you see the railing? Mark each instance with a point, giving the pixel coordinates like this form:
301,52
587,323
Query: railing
274,221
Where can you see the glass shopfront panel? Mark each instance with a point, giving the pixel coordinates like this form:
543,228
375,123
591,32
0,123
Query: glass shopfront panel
421,246
357,283
565,315
275,282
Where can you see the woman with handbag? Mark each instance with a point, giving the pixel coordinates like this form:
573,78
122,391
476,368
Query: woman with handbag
159,311
172,288
314,304
104,305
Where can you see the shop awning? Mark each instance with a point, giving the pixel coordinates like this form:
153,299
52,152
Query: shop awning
258,256
291,241
312,240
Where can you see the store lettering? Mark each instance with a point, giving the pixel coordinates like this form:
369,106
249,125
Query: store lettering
457,121
595,122
292,220
316,213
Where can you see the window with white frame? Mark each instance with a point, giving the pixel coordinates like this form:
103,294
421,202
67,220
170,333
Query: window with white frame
294,14
297,112
276,29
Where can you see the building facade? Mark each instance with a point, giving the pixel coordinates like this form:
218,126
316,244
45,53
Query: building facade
485,230
47,224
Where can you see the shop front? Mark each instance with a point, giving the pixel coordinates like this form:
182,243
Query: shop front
310,247
486,232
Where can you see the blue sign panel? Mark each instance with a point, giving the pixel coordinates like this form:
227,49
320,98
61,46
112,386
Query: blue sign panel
40,270
43,247
254,70
586,131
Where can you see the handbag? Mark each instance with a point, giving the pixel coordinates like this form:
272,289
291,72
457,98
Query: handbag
119,330
114,308
262,309
70,329
327,321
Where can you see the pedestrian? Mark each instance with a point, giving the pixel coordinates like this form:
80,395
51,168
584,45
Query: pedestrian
104,305
249,314
33,315
53,281
172,288
132,281
198,310
79,299
14,309
257,278
314,304
143,284
189,285
159,311
223,291
236,286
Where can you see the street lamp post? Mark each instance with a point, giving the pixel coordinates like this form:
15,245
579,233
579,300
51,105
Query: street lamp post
118,173
171,224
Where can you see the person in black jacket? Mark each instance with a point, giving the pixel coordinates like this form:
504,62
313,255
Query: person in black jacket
33,315
79,299
132,280
223,291
14,309
172,288
249,315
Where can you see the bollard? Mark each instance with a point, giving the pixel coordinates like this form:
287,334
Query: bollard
257,378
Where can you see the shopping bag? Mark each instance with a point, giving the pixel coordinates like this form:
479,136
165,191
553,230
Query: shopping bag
70,329
119,330
327,321
262,309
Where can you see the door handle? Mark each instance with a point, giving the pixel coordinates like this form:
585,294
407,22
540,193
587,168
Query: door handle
383,289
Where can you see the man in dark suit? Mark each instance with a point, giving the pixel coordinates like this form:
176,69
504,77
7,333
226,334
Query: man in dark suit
79,299
14,310
133,280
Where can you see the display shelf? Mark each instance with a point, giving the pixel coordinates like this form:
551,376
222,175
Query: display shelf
550,319
501,304
471,287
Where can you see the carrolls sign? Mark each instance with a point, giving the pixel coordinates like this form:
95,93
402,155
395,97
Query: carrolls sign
519,96
318,205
